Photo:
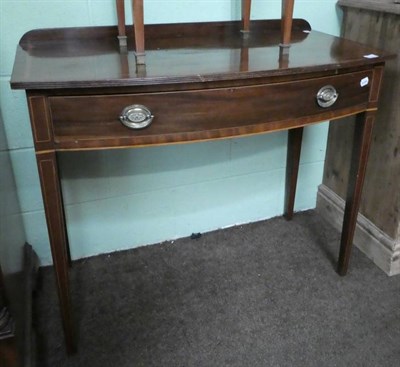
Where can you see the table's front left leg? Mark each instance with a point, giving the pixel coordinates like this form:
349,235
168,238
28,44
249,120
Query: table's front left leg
53,205
295,137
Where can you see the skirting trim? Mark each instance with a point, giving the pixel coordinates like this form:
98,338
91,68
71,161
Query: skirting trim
373,242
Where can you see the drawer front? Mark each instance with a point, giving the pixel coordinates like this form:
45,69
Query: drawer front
93,121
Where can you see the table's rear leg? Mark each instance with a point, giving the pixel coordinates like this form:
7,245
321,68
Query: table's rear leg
295,137
51,191
361,146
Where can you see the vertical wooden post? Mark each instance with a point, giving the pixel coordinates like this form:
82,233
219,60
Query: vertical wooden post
121,25
246,9
295,137
287,20
361,146
138,25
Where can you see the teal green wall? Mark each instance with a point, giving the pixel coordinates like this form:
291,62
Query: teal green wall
12,233
127,198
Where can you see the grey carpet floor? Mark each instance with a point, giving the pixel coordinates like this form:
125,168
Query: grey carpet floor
263,294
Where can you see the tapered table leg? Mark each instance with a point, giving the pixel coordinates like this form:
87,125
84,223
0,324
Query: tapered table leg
121,25
361,146
295,137
51,191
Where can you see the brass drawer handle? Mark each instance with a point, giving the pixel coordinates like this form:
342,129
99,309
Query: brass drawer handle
136,116
327,96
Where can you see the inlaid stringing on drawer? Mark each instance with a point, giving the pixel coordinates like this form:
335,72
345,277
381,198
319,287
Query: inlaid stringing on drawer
198,114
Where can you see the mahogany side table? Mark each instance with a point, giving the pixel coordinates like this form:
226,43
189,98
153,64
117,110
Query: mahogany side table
84,94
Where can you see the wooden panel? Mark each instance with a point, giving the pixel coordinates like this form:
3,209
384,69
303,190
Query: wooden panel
387,6
376,87
41,122
201,115
381,198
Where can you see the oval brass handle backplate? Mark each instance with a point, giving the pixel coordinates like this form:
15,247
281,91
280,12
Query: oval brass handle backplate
136,116
327,96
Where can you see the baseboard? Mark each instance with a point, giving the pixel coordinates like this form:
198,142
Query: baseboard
373,242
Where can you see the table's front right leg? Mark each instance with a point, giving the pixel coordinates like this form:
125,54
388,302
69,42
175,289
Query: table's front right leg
361,145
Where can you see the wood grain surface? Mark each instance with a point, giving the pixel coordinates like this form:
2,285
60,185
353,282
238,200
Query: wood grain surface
201,114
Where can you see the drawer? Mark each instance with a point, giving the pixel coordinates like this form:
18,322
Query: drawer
90,121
